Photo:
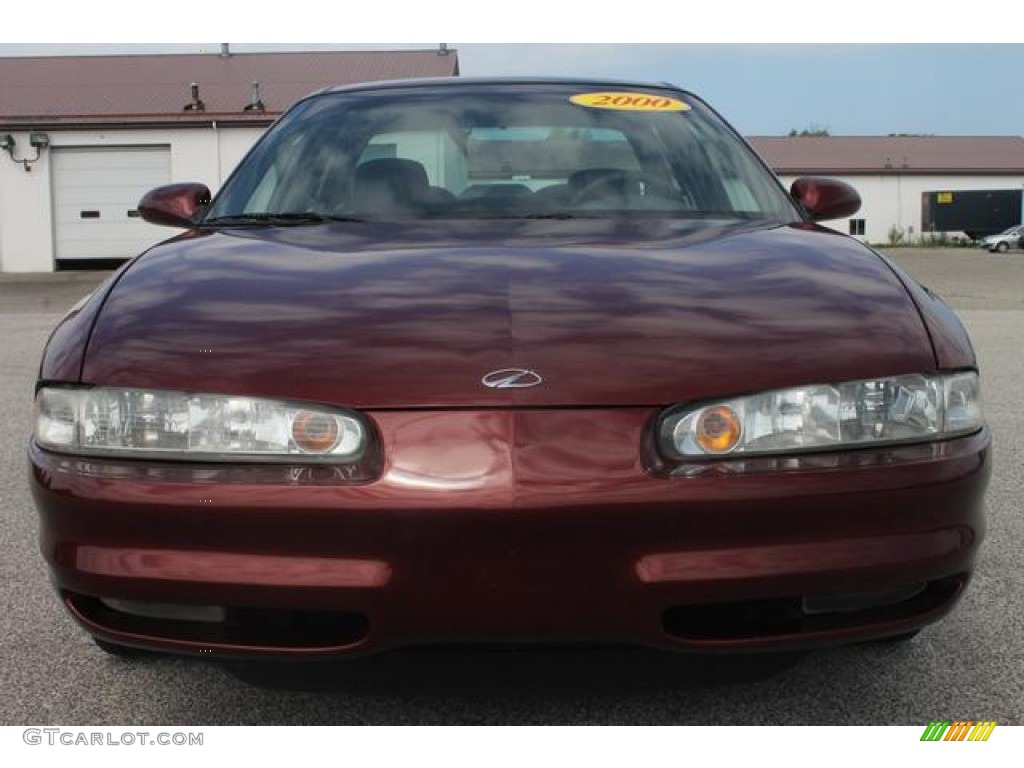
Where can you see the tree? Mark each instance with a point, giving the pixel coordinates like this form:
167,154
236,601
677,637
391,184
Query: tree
812,130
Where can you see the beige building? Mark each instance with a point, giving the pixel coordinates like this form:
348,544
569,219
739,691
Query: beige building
893,173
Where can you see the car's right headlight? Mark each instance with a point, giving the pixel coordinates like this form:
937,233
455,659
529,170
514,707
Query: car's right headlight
855,414
160,424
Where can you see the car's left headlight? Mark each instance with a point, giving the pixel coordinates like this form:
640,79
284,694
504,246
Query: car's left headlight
899,409
142,423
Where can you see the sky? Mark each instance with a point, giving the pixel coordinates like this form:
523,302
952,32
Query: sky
880,69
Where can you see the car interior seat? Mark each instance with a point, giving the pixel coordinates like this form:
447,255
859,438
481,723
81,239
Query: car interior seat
390,185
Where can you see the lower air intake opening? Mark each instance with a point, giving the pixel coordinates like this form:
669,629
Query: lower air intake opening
788,615
262,627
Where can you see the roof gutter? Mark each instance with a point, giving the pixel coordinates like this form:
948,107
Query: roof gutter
818,171
222,121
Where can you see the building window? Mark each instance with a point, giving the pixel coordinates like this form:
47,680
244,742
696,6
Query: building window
857,226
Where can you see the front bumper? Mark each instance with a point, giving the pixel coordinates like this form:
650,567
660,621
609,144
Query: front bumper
515,527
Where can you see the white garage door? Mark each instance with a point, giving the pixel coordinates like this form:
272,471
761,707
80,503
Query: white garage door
95,191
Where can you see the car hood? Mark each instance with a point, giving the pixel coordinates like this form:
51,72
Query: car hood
360,315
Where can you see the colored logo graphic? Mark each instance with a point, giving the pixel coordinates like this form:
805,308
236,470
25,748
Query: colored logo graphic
961,730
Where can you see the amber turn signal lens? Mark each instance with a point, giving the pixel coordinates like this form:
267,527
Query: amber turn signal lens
718,429
315,432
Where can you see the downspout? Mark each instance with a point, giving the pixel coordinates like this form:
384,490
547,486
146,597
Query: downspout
899,200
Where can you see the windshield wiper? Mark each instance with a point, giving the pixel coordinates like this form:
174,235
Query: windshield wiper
285,219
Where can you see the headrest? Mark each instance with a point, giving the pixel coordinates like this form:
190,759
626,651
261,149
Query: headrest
394,171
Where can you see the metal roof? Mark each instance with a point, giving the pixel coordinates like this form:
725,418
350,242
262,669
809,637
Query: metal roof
150,89
988,155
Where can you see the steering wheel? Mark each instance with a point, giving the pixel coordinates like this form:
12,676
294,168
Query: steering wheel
620,184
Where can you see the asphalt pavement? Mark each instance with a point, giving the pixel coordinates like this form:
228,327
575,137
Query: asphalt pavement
969,666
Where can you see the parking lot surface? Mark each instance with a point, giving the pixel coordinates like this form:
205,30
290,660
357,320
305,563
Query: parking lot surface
969,666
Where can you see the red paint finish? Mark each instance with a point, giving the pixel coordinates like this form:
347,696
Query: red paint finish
826,199
949,338
230,568
509,524
539,534
174,205
366,316
747,562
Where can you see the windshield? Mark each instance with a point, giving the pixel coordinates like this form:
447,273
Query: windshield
501,151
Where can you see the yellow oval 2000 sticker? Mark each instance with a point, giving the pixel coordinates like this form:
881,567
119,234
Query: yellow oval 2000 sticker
639,102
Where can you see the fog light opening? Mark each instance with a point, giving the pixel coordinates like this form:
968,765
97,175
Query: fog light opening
859,601
813,614
209,614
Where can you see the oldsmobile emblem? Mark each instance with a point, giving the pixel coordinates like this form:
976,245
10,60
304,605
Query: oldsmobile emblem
511,378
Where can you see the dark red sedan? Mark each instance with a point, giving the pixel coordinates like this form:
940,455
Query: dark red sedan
506,362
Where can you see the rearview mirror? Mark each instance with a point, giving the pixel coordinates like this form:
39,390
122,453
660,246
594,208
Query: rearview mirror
174,205
825,198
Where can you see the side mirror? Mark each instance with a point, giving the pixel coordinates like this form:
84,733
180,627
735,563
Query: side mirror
175,205
825,198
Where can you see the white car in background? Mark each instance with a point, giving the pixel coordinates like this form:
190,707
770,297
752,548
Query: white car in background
1004,240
